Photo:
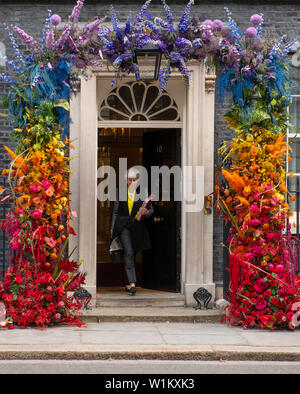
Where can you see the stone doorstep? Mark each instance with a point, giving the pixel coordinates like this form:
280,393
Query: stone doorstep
140,300
157,352
151,314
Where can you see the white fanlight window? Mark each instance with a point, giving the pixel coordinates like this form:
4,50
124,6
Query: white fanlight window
138,101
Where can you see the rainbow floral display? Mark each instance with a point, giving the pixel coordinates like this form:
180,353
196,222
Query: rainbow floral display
250,65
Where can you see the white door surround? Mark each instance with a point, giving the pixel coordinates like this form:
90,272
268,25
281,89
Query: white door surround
196,106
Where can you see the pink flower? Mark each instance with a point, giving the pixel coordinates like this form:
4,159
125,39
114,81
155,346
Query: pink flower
253,222
217,25
15,244
37,213
61,304
254,208
256,19
270,236
46,184
279,268
251,32
57,316
261,303
55,19
21,211
33,189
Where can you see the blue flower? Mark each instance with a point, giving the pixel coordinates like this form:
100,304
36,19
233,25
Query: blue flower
184,21
115,23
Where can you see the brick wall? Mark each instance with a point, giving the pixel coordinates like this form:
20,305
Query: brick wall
280,16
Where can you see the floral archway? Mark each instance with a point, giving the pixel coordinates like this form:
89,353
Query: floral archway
250,189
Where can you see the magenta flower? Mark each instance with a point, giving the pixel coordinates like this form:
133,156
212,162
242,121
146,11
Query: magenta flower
15,244
46,184
253,222
33,189
270,236
37,213
251,32
259,285
55,20
256,20
261,303
254,208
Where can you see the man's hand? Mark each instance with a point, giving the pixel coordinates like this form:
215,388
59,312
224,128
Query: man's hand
144,211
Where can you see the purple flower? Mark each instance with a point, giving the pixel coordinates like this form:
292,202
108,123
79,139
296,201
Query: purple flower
256,19
76,11
246,70
184,21
217,25
141,14
63,38
50,39
197,43
25,37
169,15
180,42
251,32
162,45
80,63
207,22
127,55
175,57
55,20
92,26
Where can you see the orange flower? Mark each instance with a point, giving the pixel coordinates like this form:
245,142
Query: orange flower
234,180
283,188
50,191
247,191
253,151
243,201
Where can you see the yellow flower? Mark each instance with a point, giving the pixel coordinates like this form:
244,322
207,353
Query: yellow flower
247,190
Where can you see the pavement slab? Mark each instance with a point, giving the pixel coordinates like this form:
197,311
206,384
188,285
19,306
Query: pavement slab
150,340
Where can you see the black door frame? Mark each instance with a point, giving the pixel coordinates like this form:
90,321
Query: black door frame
178,257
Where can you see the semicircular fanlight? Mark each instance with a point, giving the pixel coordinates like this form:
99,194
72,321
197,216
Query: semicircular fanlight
138,101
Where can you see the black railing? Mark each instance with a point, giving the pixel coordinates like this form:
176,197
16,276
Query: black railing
293,185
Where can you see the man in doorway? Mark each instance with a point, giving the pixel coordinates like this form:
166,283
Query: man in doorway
133,233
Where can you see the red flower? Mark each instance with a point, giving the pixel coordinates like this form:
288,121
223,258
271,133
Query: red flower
268,293
266,319
274,301
279,315
19,279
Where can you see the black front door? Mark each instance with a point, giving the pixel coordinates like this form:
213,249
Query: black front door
161,264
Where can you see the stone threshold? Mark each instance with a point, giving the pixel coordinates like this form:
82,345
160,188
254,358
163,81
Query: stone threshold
151,314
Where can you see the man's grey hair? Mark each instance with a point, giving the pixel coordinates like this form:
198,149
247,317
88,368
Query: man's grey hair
133,173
